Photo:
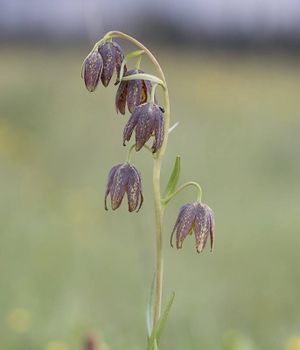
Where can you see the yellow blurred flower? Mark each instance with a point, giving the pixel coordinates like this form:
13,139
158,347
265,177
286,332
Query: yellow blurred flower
19,320
293,344
57,345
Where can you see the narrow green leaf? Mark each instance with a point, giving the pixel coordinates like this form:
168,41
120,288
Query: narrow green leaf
158,330
174,177
149,307
163,318
134,54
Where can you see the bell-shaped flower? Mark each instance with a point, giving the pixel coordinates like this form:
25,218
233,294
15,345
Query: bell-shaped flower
93,67
124,178
132,92
101,64
112,56
198,218
147,120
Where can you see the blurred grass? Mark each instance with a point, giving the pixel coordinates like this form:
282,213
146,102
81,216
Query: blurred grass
67,266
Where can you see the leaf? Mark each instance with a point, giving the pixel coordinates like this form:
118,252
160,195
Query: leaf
163,319
149,307
173,180
158,330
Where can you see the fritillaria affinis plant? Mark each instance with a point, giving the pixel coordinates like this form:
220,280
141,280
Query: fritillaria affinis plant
148,121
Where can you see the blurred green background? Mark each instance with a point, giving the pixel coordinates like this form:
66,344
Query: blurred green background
68,267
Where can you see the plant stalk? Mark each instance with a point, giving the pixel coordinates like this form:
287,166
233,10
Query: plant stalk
156,178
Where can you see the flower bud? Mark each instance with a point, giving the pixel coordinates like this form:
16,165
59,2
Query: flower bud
93,67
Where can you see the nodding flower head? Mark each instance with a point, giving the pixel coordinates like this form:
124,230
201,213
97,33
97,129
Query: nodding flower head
132,92
93,67
197,217
124,178
102,63
112,56
147,120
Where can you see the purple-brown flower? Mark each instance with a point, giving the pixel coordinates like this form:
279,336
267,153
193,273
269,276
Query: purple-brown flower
124,178
147,120
102,63
132,92
93,67
112,56
197,217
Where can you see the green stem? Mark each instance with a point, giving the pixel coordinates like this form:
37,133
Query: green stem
152,97
156,178
156,174
182,187
138,62
132,147
143,76
129,153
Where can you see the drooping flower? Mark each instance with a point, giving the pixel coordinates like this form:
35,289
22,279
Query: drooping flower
197,217
112,56
132,92
93,67
147,120
102,63
124,178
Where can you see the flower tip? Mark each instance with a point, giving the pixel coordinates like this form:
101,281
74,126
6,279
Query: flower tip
200,247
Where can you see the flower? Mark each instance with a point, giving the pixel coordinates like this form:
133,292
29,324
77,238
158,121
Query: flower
124,178
102,63
132,92
147,120
112,56
93,67
197,217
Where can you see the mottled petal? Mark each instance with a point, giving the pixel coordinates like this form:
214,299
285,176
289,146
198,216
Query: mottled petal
211,229
110,179
93,66
119,57
107,52
119,185
178,220
158,131
146,90
134,91
133,189
185,225
145,124
202,226
131,124
121,97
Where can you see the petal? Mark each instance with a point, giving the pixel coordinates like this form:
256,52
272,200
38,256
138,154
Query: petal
211,228
158,131
109,63
134,91
131,125
119,185
178,220
110,179
93,66
133,189
202,226
185,225
121,97
119,57
145,124
146,91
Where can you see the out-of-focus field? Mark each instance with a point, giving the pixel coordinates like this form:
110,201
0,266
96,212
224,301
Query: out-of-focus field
67,266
